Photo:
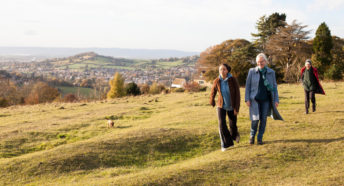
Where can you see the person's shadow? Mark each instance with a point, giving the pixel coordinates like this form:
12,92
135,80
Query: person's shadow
306,140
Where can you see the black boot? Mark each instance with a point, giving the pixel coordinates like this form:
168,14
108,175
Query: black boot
251,140
313,108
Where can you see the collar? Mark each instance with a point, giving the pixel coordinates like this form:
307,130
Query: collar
268,70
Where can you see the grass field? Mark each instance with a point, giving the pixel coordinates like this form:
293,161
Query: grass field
171,140
82,91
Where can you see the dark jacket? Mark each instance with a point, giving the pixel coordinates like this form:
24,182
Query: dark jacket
234,92
319,89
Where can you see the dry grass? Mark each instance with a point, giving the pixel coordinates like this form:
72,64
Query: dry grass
171,140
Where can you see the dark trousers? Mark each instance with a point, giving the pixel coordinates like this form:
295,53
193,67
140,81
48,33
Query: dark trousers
227,136
309,95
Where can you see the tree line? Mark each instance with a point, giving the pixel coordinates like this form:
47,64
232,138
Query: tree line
287,47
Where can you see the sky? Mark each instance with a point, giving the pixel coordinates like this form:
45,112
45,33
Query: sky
188,25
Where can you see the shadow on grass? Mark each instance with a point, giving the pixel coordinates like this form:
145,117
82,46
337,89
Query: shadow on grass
306,140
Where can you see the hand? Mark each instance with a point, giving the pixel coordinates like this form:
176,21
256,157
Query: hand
276,104
235,113
248,103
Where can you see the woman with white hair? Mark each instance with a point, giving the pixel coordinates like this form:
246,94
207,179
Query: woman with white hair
311,84
261,96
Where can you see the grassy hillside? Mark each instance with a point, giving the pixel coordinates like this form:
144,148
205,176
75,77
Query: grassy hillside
171,139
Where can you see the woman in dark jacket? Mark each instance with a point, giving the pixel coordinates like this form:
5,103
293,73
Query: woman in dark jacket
311,84
228,103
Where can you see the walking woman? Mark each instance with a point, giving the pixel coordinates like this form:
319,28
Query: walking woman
261,96
311,84
228,103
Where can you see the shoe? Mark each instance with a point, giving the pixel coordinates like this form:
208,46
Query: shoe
237,139
251,140
224,149
260,142
306,112
313,110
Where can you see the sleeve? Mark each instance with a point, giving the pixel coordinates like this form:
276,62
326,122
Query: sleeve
275,88
237,95
248,86
213,94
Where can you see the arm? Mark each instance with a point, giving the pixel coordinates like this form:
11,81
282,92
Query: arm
237,96
213,94
248,88
275,88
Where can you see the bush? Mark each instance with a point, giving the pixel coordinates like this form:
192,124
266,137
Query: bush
3,102
144,89
70,98
132,89
192,87
41,93
178,90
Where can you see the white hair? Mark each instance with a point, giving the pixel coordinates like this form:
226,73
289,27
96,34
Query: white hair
263,56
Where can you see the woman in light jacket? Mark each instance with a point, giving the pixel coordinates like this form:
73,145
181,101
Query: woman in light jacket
228,103
261,96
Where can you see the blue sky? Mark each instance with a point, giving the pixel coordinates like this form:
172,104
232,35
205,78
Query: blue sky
190,25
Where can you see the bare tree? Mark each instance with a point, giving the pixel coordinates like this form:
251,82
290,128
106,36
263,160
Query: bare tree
288,49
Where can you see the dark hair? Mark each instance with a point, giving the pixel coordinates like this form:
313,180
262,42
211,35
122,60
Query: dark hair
227,66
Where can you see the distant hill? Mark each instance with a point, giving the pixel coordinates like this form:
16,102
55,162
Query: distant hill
49,52
94,60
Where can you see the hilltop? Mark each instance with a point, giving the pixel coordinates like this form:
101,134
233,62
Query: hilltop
93,60
27,54
171,139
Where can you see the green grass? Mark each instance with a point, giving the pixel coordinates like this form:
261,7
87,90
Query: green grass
82,91
171,141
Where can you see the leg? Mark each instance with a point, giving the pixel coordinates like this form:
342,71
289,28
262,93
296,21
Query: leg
225,136
254,126
312,96
263,113
233,125
306,100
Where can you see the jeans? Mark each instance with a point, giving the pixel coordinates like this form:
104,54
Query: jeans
264,107
227,136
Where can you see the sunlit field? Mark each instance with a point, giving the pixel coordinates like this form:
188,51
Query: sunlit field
171,139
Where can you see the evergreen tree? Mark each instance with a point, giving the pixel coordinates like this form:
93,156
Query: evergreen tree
267,26
322,45
117,86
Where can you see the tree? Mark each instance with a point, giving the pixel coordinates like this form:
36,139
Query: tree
336,70
132,89
155,88
117,86
268,26
322,45
41,93
239,54
288,50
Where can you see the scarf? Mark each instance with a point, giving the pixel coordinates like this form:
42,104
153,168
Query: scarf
266,82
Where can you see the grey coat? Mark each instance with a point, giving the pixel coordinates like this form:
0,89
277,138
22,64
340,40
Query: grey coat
252,83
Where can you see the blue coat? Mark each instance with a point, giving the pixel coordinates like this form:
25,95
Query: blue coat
252,83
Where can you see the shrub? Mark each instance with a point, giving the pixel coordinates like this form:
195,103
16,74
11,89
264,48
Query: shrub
70,98
132,89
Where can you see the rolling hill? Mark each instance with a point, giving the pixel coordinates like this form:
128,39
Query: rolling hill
171,139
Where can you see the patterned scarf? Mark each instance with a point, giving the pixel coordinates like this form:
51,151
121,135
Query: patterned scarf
266,82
